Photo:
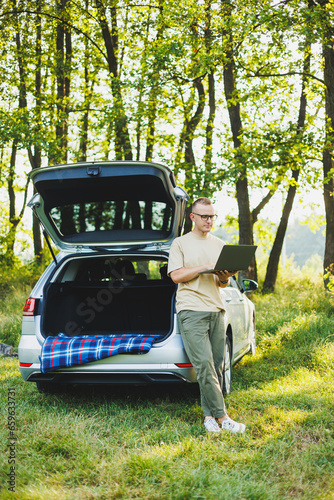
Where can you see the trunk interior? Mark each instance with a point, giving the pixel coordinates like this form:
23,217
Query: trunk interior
103,297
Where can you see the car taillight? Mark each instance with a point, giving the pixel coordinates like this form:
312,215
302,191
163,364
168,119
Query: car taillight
26,364
29,307
184,365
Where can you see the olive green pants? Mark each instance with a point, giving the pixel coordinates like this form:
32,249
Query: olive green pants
203,335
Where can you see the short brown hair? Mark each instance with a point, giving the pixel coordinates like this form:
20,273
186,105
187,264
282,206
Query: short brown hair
202,200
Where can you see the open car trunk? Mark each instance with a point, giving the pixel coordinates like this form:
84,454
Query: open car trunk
104,296
105,204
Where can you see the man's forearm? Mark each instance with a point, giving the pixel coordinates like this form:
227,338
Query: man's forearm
185,274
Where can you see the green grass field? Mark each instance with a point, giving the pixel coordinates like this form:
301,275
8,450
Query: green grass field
150,443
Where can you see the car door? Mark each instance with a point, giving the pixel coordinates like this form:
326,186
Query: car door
236,307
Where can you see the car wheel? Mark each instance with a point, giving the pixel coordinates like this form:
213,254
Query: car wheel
227,370
252,338
48,387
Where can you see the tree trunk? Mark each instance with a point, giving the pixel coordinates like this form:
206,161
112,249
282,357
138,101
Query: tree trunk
63,65
60,86
88,90
152,112
123,148
13,222
275,254
189,157
328,156
36,157
14,218
209,135
153,96
187,221
207,182
233,106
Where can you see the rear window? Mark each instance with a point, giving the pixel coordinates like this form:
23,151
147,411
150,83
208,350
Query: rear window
125,268
79,218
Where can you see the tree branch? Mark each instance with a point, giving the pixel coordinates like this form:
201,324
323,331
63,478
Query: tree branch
288,73
263,203
46,14
25,198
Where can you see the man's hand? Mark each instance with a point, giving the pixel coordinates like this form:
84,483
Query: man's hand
225,275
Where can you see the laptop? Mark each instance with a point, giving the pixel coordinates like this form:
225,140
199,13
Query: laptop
234,258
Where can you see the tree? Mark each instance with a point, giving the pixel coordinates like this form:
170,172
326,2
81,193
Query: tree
240,162
327,31
63,58
35,152
274,257
110,36
17,138
185,84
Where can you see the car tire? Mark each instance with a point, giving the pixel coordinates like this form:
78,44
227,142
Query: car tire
252,347
48,387
227,370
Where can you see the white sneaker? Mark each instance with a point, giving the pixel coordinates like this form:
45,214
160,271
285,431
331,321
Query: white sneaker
211,425
229,425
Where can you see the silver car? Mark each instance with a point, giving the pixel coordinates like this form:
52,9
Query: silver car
113,223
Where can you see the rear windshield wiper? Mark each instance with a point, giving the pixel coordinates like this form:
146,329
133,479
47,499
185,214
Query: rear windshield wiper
128,249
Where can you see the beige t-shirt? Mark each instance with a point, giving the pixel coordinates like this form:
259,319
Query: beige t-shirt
203,292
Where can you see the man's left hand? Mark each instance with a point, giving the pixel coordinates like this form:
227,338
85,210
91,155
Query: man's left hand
225,275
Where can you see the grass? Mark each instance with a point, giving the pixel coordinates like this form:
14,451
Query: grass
11,308
140,443
16,283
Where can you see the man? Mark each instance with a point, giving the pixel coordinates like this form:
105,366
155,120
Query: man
200,310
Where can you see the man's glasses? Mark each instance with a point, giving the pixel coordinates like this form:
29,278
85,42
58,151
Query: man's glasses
207,217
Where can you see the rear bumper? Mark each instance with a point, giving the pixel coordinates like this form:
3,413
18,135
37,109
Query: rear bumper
113,378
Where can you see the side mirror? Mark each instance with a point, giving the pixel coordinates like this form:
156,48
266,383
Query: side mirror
249,286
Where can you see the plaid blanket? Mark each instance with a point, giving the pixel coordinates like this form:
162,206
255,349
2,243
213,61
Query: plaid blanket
64,352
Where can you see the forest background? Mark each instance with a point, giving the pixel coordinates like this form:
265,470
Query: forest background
235,97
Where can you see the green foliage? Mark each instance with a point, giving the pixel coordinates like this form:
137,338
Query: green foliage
16,274
149,82
126,442
159,54
16,283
